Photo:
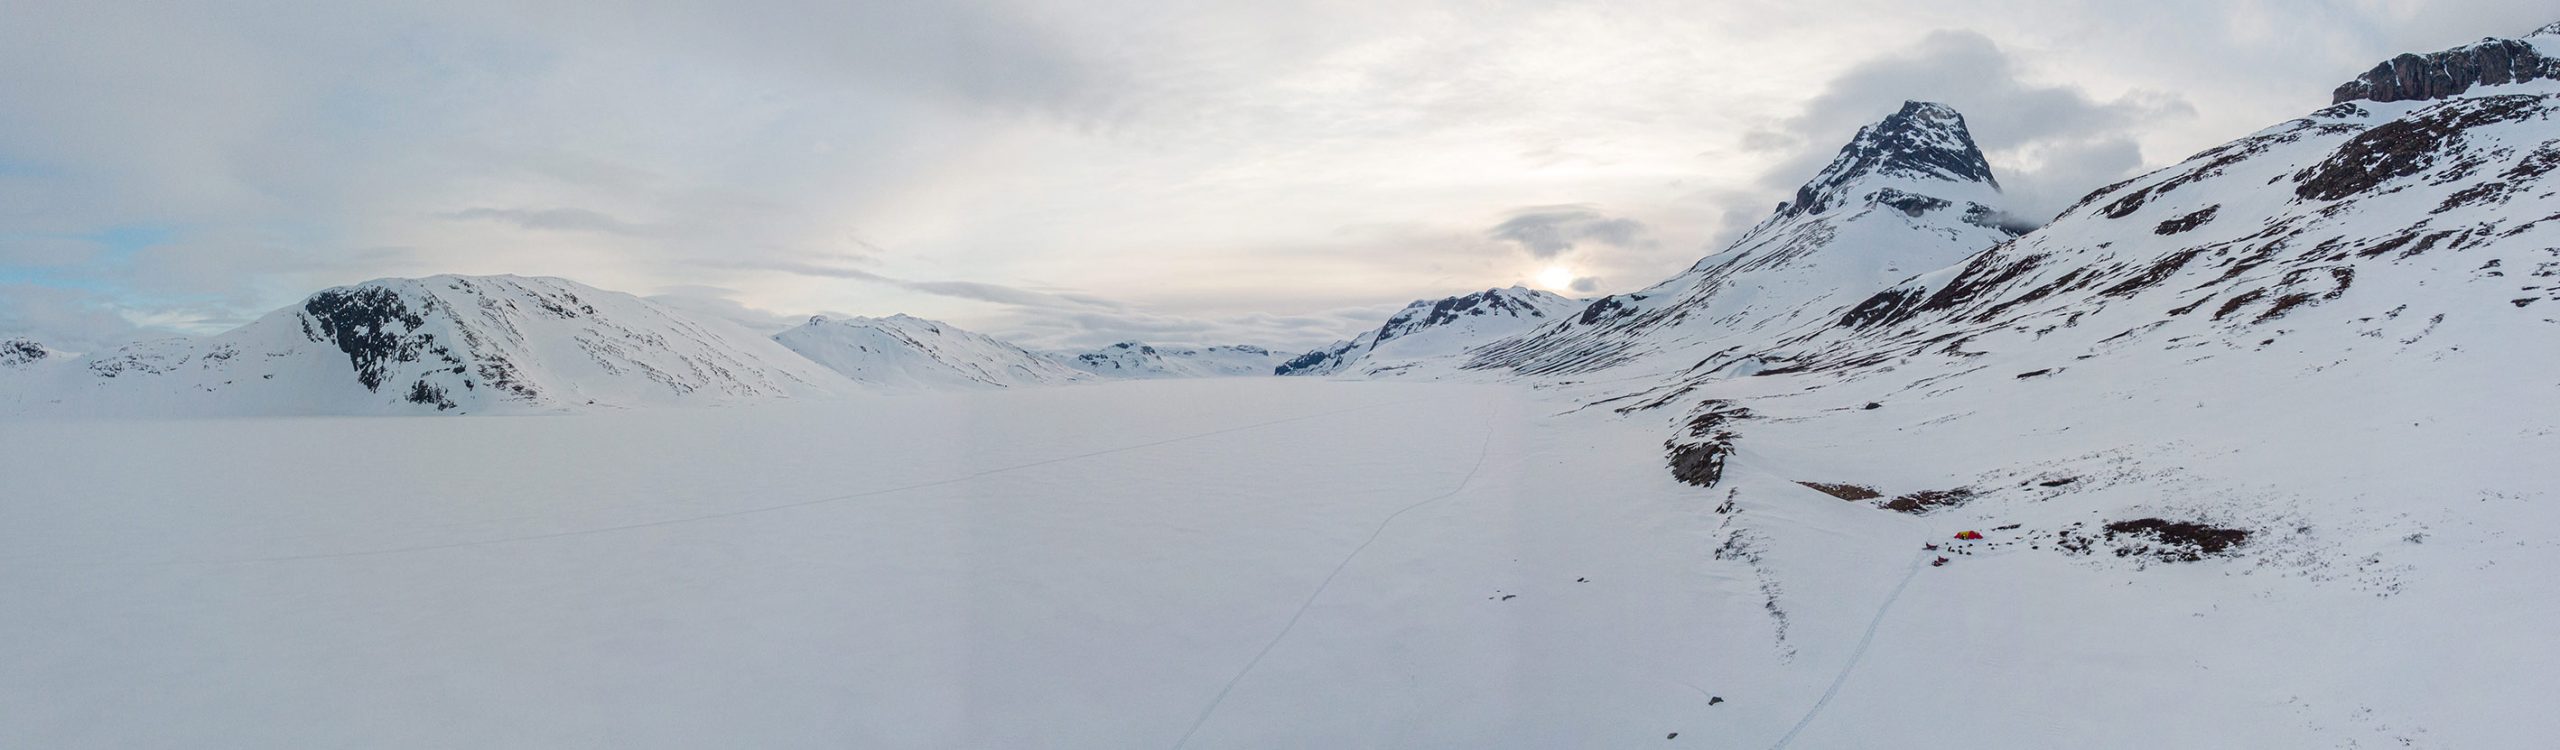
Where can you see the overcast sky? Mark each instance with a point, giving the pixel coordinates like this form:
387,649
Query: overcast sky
1062,173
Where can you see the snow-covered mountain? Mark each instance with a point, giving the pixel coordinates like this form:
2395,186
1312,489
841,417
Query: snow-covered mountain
2328,234
1132,359
452,344
1908,194
909,352
2299,384
1430,331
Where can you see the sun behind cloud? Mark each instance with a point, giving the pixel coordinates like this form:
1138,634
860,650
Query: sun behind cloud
1556,277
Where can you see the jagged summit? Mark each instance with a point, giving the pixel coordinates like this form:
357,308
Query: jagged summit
19,352
1909,193
2488,62
1923,142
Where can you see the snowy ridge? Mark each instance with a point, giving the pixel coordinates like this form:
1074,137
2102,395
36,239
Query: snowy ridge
903,351
1907,194
1138,360
1430,332
452,344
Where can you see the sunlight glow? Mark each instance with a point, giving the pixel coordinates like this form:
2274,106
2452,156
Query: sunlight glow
1558,278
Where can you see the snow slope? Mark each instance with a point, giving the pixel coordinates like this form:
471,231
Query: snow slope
2256,442
1908,194
909,352
1132,359
1429,331
451,344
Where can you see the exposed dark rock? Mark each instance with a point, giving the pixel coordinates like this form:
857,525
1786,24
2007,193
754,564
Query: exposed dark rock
2407,146
16,352
2187,222
1885,308
360,321
1850,492
2451,72
1698,456
1316,361
1605,308
2182,540
1928,500
1909,204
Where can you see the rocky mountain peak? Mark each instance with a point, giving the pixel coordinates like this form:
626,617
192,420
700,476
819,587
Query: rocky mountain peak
1924,141
2489,62
16,352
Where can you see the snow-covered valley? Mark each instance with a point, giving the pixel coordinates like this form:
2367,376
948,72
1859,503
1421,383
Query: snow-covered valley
1242,563
2250,450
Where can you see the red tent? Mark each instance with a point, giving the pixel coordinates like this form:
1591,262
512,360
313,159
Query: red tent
1968,535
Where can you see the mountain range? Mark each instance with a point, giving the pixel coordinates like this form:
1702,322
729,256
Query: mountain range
1898,252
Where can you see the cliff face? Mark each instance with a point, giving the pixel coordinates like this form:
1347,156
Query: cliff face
2438,75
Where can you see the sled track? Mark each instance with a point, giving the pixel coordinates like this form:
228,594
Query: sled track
1481,452
1856,655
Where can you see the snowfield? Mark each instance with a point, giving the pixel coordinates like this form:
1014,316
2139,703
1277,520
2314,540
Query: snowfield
1212,563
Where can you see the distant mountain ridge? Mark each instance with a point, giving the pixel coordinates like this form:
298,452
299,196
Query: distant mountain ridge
1430,330
458,344
904,351
1139,360
1907,194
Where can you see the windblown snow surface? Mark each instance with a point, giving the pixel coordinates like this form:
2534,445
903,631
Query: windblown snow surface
1240,563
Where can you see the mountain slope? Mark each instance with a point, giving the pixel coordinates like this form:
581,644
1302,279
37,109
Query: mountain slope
1433,331
441,344
2275,417
909,352
1133,360
1909,193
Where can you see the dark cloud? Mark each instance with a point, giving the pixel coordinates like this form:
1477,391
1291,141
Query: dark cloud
1549,231
1585,285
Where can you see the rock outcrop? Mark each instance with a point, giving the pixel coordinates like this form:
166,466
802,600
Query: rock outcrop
2490,62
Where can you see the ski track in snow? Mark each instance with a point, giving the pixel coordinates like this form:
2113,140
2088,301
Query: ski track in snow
1855,655
818,501
1482,451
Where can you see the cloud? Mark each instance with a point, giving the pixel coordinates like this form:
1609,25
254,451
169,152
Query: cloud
554,219
968,290
1182,162
70,320
1548,231
720,303
1585,285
